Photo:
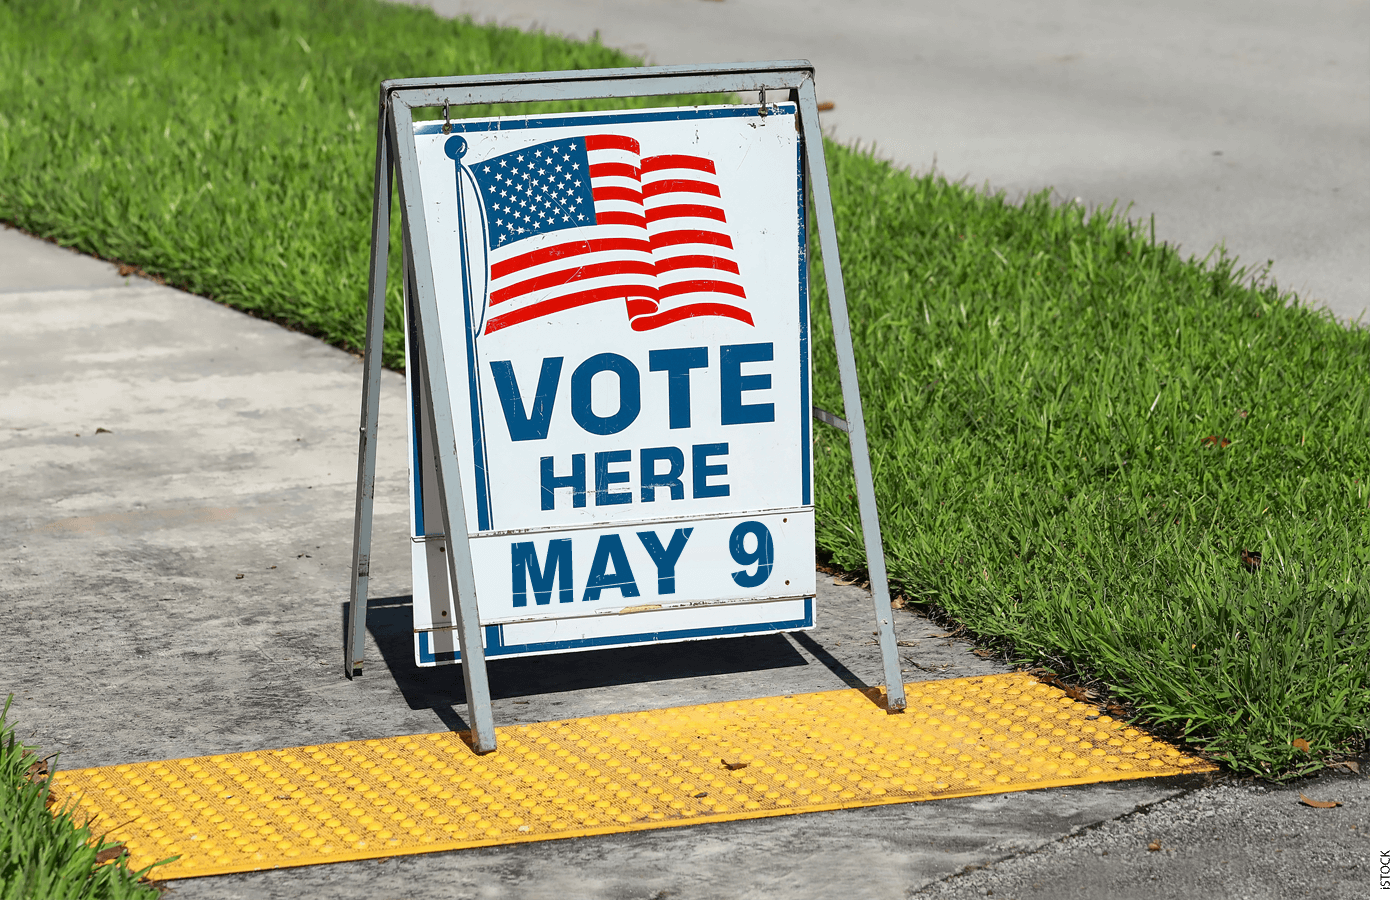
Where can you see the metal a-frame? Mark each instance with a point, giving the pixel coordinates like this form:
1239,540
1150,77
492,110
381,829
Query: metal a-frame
396,155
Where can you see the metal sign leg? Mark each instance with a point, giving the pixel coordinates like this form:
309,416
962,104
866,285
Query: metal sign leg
369,407
444,440
850,391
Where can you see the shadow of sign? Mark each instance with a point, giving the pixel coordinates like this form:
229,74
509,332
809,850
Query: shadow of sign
390,623
837,668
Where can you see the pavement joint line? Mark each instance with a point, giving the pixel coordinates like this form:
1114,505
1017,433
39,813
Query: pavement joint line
608,774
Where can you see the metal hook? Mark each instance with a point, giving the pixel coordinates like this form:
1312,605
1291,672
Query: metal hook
446,119
762,103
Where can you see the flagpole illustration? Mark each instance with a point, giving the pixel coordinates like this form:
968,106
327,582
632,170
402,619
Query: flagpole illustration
456,148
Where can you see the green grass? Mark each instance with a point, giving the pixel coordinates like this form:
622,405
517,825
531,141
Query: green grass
45,854
1038,384
223,145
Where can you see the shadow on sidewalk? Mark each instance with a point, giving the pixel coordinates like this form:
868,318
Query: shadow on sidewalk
389,621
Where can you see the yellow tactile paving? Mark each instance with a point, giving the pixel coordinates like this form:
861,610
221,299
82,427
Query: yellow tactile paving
607,774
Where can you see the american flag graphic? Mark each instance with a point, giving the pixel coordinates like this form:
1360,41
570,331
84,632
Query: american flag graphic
584,220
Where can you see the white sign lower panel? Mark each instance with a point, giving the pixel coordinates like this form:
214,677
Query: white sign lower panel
599,571
624,584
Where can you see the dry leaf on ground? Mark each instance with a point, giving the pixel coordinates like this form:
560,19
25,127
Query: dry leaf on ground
110,853
1154,847
1073,691
734,766
1318,804
1302,745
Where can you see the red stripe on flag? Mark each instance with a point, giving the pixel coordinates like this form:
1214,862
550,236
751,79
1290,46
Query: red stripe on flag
564,276
685,210
617,193
677,161
620,218
672,238
620,170
698,287
640,306
568,301
690,311
564,251
680,186
696,262
612,142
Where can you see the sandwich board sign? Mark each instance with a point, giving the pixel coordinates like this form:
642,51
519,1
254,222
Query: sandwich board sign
609,374
627,332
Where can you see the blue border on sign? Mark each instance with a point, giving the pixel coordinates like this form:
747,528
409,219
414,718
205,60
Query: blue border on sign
786,108
495,646
804,327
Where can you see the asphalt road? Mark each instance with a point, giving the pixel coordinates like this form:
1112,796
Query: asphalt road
229,448
1245,122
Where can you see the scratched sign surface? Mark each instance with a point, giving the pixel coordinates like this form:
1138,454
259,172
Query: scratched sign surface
623,304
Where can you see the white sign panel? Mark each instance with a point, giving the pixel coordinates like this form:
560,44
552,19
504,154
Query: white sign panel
623,305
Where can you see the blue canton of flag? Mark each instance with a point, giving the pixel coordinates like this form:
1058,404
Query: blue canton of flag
545,188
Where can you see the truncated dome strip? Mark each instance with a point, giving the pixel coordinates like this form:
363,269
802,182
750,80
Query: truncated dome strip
717,762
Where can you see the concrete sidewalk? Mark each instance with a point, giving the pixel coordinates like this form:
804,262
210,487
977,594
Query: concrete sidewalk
178,479
1244,121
